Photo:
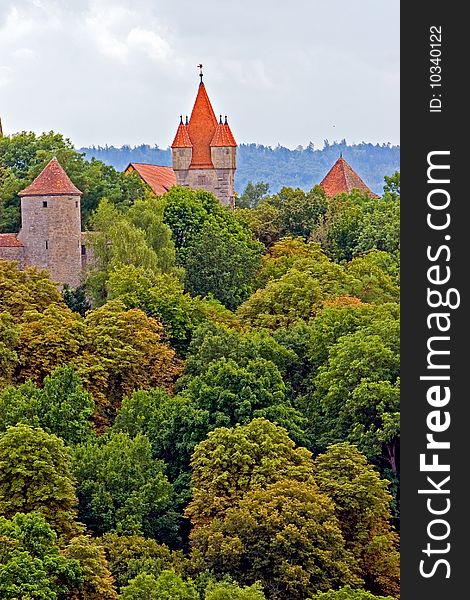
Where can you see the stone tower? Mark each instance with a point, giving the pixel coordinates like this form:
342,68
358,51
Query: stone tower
204,151
50,225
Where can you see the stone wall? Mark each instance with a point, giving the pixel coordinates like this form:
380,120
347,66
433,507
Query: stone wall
51,235
218,181
15,253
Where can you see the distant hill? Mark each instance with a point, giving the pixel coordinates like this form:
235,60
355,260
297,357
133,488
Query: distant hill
279,166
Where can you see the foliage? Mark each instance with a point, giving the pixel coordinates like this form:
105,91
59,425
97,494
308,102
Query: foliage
285,535
167,586
356,392
234,394
252,195
61,406
362,505
130,555
120,487
98,583
31,565
76,299
217,251
161,297
125,350
9,333
25,290
230,462
47,340
348,593
35,475
290,212
232,591
123,239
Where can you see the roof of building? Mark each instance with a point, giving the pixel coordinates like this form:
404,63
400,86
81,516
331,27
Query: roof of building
51,181
223,136
9,240
160,179
342,178
201,129
182,137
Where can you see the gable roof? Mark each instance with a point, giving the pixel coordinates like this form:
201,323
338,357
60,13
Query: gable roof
182,137
201,128
51,181
9,240
159,179
342,178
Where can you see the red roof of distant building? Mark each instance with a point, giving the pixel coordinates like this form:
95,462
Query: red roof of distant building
9,240
51,181
341,178
223,136
160,179
182,137
201,129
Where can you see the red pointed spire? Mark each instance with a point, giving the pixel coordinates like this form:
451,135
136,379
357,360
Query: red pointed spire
201,129
182,137
342,178
223,136
51,181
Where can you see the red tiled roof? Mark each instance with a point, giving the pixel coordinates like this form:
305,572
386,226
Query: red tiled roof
201,129
182,138
51,181
160,179
341,178
223,136
9,240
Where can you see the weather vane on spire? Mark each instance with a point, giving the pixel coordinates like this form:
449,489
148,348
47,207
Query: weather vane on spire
200,71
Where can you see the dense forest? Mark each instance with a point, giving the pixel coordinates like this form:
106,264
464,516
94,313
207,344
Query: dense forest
214,414
279,166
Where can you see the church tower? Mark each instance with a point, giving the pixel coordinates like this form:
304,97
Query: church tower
204,151
50,225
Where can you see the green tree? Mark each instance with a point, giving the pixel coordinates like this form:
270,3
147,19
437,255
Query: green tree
252,194
61,406
392,186
98,583
286,536
376,275
213,245
234,394
120,486
232,591
297,294
35,475
362,505
47,340
25,290
161,297
167,586
76,299
230,462
348,593
31,565
356,393
9,334
223,264
125,350
131,555
173,425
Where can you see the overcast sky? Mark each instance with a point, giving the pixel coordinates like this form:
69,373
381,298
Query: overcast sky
122,71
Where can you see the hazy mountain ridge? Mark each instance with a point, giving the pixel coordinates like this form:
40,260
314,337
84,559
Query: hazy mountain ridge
278,166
